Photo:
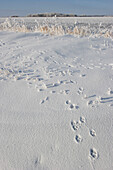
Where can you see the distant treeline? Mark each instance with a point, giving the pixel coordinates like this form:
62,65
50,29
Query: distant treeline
52,15
61,15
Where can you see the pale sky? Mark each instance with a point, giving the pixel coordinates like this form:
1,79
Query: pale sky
25,7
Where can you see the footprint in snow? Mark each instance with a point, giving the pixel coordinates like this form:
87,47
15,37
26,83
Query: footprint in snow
75,125
68,102
93,154
82,75
78,139
80,90
92,133
82,119
44,100
72,106
109,92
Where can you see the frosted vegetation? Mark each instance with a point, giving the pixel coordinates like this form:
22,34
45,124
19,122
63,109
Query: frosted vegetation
95,26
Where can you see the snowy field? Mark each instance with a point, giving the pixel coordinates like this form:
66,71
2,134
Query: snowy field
94,26
56,94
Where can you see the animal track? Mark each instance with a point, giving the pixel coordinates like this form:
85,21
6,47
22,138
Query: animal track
106,99
93,103
40,90
99,100
90,102
87,97
64,92
110,91
80,91
44,100
68,101
72,106
82,75
82,119
78,139
53,92
37,162
76,107
92,133
93,154
75,125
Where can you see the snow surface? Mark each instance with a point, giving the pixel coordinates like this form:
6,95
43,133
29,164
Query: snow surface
56,102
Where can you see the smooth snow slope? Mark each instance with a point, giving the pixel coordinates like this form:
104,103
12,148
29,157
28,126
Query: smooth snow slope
56,102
